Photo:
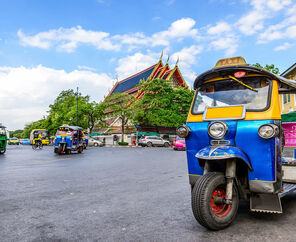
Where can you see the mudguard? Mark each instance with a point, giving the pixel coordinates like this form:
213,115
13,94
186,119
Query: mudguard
223,152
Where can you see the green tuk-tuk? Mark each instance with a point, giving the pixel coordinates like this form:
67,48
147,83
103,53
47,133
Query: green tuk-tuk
3,139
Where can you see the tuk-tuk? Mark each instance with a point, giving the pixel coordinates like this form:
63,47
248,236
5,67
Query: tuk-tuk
234,142
3,139
39,135
68,139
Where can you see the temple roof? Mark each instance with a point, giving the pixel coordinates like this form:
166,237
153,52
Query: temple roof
132,81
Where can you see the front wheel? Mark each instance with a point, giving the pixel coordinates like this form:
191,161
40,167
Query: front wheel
166,145
208,204
149,144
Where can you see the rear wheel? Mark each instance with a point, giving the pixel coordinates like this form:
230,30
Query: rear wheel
149,144
166,144
2,151
208,204
80,149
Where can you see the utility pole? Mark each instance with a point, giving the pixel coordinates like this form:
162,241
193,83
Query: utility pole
77,108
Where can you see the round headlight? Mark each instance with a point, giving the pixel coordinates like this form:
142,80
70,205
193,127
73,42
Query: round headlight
268,131
183,131
217,130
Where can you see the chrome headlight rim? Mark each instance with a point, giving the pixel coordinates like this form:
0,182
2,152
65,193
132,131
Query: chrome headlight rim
183,134
275,131
225,129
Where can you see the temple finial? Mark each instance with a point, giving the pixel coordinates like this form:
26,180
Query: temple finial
161,55
168,59
177,61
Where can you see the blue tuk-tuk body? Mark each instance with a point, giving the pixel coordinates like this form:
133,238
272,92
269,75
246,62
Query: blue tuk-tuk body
234,141
68,139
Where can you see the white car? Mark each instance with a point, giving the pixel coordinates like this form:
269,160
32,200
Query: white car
153,141
94,142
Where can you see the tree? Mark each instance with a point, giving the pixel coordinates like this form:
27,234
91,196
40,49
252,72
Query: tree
94,114
119,105
270,68
162,105
17,133
64,111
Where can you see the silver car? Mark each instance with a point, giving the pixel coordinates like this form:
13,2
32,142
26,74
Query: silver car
153,141
94,142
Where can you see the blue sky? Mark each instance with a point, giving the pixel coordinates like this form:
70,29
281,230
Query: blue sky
48,46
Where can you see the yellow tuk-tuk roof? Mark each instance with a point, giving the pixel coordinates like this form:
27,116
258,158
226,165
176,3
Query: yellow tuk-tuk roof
286,85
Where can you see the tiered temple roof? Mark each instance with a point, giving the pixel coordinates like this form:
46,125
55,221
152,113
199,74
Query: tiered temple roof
159,70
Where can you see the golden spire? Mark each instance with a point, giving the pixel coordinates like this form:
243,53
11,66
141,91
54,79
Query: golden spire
161,55
168,59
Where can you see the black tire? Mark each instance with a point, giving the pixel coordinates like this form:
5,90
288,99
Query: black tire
41,146
56,150
203,206
166,144
68,151
34,147
149,144
80,149
2,151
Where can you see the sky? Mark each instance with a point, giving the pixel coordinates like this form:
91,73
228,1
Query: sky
50,46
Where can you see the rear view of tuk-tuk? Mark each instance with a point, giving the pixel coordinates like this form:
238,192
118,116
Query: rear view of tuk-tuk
234,141
3,139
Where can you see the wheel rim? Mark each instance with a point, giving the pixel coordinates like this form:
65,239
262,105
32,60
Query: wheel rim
220,210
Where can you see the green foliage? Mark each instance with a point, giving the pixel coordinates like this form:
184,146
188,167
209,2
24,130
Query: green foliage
162,104
123,143
271,68
17,133
119,105
64,111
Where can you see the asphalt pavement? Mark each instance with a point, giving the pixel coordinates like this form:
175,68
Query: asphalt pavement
115,194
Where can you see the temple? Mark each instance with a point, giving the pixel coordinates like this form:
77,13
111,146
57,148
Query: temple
159,70
131,86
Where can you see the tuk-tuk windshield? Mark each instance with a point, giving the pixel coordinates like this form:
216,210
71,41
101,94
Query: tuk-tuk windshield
230,93
2,131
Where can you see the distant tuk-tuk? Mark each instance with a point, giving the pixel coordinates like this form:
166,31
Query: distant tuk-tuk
234,141
68,139
38,135
3,139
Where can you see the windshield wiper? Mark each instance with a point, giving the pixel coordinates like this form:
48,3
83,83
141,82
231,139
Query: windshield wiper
240,82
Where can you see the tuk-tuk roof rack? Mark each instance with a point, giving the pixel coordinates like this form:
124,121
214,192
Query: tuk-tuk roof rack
286,85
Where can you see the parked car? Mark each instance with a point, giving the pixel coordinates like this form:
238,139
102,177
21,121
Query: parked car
25,141
13,141
94,142
179,144
153,141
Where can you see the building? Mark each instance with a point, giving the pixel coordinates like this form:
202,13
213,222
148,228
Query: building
288,101
159,70
130,86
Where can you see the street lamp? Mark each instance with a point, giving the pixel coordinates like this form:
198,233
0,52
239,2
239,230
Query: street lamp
77,108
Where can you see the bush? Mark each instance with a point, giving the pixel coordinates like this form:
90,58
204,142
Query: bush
123,143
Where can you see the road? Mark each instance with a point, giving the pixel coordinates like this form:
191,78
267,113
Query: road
115,194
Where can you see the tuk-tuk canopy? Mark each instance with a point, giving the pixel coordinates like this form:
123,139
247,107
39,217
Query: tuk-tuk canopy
1,126
224,70
65,126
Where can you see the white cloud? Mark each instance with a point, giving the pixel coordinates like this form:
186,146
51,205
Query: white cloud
135,63
229,43
284,46
253,21
68,39
27,92
220,28
86,68
187,58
